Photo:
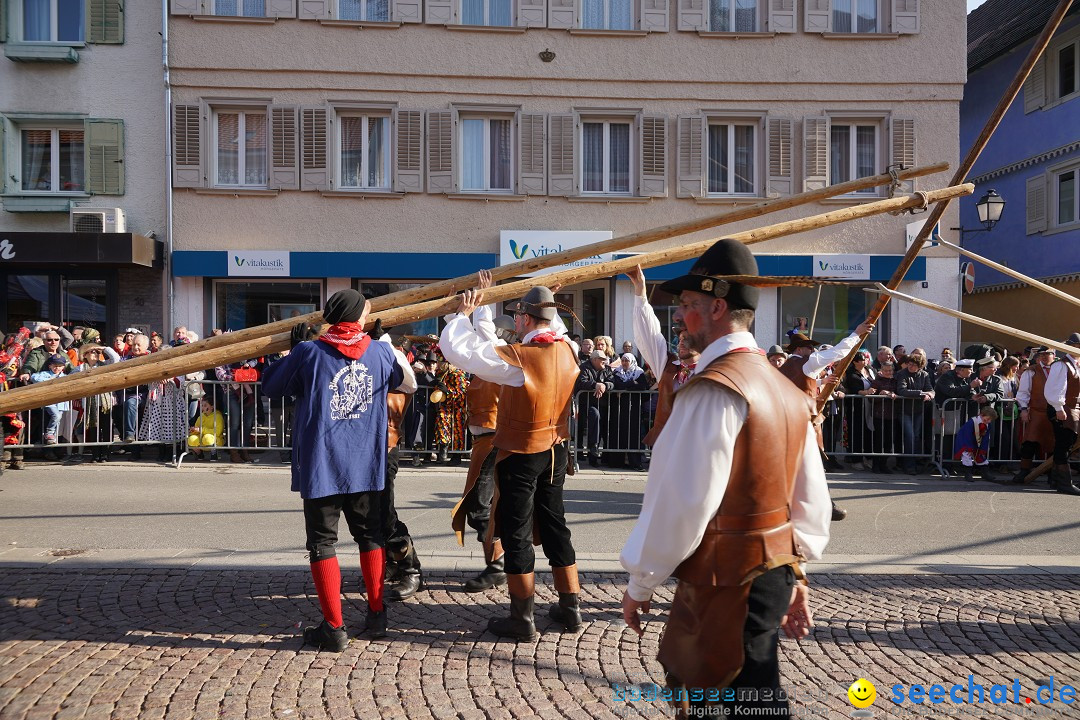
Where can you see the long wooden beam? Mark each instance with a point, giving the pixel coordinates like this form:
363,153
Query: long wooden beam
962,171
172,363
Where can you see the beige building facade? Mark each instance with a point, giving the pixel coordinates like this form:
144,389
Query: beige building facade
322,144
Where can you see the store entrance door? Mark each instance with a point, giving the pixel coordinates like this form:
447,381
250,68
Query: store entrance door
590,304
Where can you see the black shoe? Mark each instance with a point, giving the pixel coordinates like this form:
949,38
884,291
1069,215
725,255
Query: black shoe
594,460
492,576
405,585
520,624
985,473
969,474
838,513
376,624
417,461
1020,478
566,612
325,637
833,465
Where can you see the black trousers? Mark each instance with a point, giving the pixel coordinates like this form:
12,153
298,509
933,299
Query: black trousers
1064,438
321,517
394,531
532,486
478,502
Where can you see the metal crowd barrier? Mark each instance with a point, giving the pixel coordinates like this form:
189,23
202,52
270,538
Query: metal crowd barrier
1004,432
612,426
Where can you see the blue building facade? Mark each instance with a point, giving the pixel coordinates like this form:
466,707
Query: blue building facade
1032,161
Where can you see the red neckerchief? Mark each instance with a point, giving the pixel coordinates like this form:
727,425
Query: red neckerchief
685,371
547,336
348,338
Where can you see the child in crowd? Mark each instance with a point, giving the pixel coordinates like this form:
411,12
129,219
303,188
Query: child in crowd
208,429
54,368
972,445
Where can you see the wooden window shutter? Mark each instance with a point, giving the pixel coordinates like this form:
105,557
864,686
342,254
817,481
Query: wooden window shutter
691,163
281,8
189,7
406,11
104,149
902,148
1036,204
905,17
313,9
818,17
780,160
562,164
653,144
3,38
409,151
1035,87
532,13
284,141
815,153
782,16
562,14
187,146
105,22
654,15
440,140
692,15
439,12
532,153
314,148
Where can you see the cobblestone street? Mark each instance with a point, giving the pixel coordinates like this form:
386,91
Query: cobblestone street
186,643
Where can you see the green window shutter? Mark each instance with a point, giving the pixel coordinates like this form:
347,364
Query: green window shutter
104,145
105,21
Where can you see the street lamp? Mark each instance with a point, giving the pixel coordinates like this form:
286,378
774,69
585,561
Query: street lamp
990,207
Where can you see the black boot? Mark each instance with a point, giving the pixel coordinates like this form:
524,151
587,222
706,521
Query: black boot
405,585
1020,478
325,637
985,473
838,513
492,576
566,612
376,624
520,624
969,473
1061,479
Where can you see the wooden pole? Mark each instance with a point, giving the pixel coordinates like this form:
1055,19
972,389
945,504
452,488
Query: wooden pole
1012,273
961,172
172,363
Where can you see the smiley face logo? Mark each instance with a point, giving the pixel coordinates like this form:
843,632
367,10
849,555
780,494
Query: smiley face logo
862,693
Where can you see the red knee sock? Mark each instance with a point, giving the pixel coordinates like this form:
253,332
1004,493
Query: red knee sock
327,576
373,566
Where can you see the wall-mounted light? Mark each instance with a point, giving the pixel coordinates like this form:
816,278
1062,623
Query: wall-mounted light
547,55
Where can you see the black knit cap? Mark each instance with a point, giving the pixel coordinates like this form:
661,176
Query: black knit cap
344,306
725,257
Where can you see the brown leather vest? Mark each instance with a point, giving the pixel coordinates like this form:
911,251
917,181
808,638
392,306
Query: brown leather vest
1072,386
483,400
665,399
792,369
1037,402
752,531
535,417
396,402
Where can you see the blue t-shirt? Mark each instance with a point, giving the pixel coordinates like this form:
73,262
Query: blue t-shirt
339,425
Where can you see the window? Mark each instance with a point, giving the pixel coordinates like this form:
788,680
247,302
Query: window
242,304
605,163
240,148
240,8
486,155
853,152
52,159
364,147
52,20
856,16
486,12
831,311
733,15
372,10
1067,197
1068,69
732,153
607,14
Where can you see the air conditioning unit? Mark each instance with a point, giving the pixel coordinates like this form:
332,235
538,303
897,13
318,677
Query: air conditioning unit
98,220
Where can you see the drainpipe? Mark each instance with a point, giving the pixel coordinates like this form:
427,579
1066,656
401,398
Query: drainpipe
169,284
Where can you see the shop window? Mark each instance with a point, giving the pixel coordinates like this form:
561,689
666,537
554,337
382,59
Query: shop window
244,304
378,288
27,300
839,309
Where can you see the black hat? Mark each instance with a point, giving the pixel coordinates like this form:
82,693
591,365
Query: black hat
1040,349
725,257
344,306
1074,339
539,302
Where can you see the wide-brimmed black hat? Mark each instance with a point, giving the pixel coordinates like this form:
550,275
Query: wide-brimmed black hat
539,302
725,257
799,340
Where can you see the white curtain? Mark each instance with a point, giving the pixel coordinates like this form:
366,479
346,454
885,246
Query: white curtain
840,154
352,150
621,15
255,143
349,9
619,149
378,10
36,160
500,12
720,15
228,143
36,21
377,161
254,8
744,158
866,150
592,14
841,16
746,15
71,160
500,154
718,161
472,154
592,135
868,16
472,12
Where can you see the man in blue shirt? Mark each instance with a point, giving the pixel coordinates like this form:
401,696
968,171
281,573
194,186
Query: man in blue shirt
340,383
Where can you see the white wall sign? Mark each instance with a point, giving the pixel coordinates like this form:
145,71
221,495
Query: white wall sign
517,245
912,232
844,267
258,263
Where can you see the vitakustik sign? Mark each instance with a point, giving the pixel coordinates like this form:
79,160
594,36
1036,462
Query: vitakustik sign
844,267
265,263
517,245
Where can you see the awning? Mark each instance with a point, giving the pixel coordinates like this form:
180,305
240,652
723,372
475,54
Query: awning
61,249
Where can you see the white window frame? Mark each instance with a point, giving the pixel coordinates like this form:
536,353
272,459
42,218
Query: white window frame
241,162
731,17
387,139
487,14
758,125
18,26
486,159
1055,174
364,11
852,120
607,121
881,24
607,16
54,152
239,9
1055,67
